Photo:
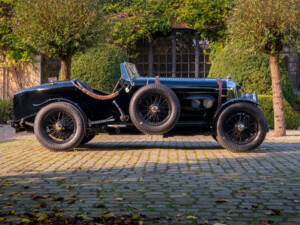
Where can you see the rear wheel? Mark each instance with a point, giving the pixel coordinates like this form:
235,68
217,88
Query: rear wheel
59,126
154,109
241,127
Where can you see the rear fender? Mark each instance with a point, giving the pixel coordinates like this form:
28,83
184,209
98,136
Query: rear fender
52,100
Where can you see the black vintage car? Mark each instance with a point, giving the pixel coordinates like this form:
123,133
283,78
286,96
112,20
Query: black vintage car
64,115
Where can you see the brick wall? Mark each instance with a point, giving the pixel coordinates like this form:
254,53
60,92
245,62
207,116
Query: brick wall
18,77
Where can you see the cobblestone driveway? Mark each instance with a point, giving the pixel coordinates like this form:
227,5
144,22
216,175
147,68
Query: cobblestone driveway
184,180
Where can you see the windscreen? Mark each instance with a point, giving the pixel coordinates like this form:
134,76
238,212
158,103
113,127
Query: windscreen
131,70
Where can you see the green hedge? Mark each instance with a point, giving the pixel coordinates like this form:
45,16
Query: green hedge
266,105
252,72
6,109
99,66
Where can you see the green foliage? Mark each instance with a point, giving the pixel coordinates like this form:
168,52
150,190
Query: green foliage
6,108
265,25
266,105
205,16
132,20
250,71
10,45
99,66
58,28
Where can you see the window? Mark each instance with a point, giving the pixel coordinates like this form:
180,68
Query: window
179,54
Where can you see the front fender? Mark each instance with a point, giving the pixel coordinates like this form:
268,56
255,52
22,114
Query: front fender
228,103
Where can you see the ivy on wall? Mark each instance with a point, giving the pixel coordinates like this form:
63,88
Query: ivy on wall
132,20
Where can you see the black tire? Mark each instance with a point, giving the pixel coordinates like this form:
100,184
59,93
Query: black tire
87,139
241,127
154,109
60,126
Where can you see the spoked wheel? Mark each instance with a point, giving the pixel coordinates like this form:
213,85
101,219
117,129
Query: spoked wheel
59,126
241,127
154,109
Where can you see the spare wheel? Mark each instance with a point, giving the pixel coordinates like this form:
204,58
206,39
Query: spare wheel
154,109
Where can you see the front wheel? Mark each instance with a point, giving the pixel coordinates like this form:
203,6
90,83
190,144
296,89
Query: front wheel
241,127
59,126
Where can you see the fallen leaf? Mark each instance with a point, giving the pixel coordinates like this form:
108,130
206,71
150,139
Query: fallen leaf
62,182
98,206
1,218
58,214
42,217
43,205
12,212
191,218
71,201
36,197
57,199
25,220
274,212
108,215
100,196
219,224
116,195
266,222
119,199
221,201
255,206
72,196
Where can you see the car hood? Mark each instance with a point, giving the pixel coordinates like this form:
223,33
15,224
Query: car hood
181,82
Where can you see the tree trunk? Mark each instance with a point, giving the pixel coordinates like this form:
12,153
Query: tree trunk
66,68
279,119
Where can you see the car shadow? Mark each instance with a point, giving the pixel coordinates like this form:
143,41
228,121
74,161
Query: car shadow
98,146
267,147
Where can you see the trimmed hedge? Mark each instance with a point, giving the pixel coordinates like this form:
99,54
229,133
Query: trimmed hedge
266,105
6,109
99,66
250,71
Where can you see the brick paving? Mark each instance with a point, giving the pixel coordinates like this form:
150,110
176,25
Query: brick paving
182,179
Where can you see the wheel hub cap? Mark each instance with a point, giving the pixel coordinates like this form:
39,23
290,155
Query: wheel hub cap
59,126
240,127
154,108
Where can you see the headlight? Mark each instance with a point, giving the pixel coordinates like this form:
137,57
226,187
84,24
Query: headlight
232,91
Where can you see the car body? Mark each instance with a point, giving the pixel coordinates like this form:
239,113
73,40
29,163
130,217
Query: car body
193,105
